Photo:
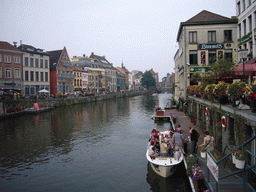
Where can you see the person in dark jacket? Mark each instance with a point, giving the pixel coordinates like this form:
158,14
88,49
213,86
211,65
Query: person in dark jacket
194,139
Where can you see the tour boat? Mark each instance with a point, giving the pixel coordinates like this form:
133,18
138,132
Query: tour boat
163,165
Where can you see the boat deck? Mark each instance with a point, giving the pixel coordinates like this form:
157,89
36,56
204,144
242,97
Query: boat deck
164,116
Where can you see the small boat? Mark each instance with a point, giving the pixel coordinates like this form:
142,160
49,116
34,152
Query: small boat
164,166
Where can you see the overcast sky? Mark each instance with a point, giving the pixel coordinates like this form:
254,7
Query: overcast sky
141,33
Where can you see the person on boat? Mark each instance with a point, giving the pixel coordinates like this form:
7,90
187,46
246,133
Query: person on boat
153,132
177,140
169,147
156,133
163,148
166,138
177,153
169,131
156,142
152,153
194,140
209,142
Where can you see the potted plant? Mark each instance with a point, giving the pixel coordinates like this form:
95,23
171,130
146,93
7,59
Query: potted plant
251,95
234,150
235,90
209,91
220,92
240,159
197,175
203,152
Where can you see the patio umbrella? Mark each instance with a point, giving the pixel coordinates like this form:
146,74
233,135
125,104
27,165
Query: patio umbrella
43,91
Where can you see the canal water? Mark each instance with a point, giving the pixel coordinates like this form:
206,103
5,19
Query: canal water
97,146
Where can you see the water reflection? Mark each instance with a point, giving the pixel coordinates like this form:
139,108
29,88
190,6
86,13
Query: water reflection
176,182
75,147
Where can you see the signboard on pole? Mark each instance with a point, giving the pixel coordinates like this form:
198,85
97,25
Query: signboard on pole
213,167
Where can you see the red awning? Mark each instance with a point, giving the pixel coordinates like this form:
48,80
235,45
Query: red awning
249,68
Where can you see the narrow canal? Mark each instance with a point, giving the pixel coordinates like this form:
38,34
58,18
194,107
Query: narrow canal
91,147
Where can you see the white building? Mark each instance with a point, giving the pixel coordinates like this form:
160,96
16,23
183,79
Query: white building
202,39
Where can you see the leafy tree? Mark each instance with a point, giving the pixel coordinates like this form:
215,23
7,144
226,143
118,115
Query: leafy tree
223,67
148,80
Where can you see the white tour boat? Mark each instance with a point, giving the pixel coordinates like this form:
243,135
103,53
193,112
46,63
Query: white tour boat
164,166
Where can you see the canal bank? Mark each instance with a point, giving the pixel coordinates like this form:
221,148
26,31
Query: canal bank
10,108
225,180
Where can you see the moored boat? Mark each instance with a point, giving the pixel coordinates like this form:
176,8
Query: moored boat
164,165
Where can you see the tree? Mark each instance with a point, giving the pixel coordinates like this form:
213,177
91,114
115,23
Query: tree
223,67
148,80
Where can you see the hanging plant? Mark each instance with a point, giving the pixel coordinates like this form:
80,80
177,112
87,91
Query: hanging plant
235,90
209,91
220,90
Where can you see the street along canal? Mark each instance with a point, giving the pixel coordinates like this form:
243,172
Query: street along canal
97,146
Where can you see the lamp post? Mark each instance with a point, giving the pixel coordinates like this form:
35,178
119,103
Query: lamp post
243,55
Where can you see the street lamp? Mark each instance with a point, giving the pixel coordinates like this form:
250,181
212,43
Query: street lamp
243,55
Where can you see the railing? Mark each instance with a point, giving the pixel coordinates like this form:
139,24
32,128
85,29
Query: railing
244,171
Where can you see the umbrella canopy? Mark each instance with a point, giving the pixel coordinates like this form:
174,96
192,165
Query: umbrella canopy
43,91
249,68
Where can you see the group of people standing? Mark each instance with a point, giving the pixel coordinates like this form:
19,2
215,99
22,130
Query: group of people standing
170,143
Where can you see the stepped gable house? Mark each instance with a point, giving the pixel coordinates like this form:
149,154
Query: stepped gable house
10,67
110,72
61,72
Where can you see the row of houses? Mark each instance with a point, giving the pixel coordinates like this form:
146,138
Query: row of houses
28,70
208,36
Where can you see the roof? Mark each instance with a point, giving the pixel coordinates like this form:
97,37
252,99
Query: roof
7,46
54,58
206,18
31,49
102,60
86,63
153,72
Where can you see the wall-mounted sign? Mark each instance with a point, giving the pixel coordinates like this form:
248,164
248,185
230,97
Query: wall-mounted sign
209,46
220,54
200,69
246,38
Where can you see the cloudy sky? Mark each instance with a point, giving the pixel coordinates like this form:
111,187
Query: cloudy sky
141,33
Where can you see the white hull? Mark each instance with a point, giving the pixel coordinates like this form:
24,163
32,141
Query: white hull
164,166
164,171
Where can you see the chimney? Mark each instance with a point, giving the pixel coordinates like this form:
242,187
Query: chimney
233,17
15,44
104,56
83,55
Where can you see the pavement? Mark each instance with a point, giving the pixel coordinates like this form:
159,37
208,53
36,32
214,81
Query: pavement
223,185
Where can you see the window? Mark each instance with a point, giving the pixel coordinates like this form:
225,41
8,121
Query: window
244,23
16,59
192,37
249,2
46,76
46,64
0,58
240,31
17,73
8,73
250,23
7,59
41,63
31,62
31,75
26,75
228,55
227,35
1,72
26,62
243,5
42,76
238,8
37,76
36,63
211,36
212,57
26,90
193,57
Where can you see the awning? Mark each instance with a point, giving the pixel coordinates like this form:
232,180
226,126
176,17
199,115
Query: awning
248,68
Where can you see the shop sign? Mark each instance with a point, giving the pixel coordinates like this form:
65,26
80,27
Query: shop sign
209,46
203,57
245,38
200,69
